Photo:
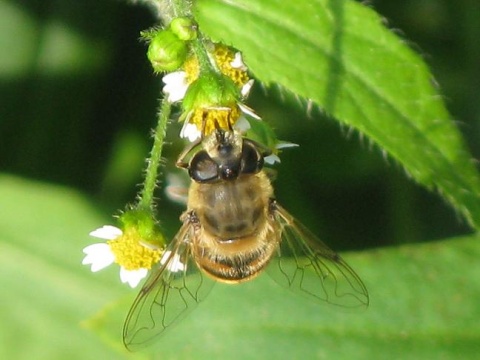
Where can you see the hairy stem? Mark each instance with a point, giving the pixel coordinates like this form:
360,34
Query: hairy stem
146,197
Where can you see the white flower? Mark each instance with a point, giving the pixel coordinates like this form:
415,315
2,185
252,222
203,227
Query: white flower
100,255
176,85
174,264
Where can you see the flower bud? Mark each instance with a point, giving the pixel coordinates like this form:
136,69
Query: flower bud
166,51
143,222
211,90
184,28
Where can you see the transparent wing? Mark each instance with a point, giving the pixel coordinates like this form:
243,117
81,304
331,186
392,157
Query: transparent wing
305,265
171,291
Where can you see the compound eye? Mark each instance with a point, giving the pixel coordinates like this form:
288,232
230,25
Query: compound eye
202,168
252,160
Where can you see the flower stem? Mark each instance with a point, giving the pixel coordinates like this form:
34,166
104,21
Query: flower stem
198,47
177,8
146,197
181,7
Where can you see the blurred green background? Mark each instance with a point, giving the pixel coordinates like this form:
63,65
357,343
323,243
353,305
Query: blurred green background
78,101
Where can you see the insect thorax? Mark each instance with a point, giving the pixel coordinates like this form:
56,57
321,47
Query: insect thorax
237,236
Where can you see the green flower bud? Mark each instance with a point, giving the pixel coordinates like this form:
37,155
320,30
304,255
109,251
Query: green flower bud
145,224
184,28
211,90
166,51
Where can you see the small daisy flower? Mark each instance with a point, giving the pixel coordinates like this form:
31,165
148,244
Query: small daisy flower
126,248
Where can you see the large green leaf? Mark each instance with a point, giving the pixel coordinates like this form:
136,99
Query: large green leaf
338,54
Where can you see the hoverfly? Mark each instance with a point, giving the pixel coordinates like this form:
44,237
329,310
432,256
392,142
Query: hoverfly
232,230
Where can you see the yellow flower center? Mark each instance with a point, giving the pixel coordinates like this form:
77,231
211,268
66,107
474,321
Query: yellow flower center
224,57
209,119
192,69
131,254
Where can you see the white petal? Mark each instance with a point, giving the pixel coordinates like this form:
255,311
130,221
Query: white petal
246,88
237,62
175,263
285,144
242,124
132,277
106,232
174,77
190,131
165,256
271,159
246,110
176,85
99,256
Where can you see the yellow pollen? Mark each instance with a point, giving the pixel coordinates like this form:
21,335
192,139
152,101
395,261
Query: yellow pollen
192,69
209,119
224,57
131,254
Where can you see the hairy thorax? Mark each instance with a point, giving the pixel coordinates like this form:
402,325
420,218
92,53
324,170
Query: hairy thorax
236,234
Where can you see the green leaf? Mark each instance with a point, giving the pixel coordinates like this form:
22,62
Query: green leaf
339,55
46,291
424,303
